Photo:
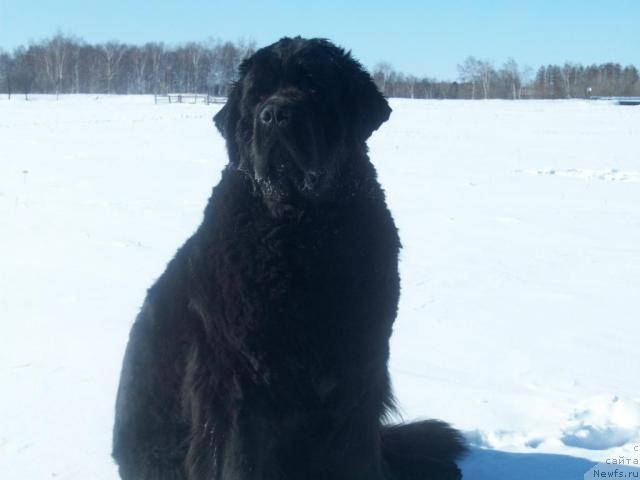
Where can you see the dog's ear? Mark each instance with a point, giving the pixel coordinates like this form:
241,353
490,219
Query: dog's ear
226,121
221,118
226,118
370,106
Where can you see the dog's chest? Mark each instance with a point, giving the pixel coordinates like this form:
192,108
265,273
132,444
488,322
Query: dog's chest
298,264
293,278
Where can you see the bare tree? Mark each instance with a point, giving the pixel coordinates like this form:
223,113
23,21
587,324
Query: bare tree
56,52
381,74
631,81
228,58
139,62
470,71
526,77
195,53
511,73
24,70
156,54
486,75
568,71
75,47
5,72
113,53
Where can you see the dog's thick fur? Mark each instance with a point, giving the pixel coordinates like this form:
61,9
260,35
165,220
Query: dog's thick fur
261,352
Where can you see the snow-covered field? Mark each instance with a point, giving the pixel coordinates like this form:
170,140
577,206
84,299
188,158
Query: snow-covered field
519,319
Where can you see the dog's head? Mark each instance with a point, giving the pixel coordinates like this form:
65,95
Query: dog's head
299,112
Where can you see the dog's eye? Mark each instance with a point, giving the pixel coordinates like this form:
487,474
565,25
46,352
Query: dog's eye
257,97
262,97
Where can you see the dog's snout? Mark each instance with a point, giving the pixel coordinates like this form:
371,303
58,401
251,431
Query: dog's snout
275,114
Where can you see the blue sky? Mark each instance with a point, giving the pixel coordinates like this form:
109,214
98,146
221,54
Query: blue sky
423,38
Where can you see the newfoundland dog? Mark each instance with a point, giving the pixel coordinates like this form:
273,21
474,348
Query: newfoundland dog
261,352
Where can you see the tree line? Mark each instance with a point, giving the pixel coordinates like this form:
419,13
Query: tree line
481,79
67,64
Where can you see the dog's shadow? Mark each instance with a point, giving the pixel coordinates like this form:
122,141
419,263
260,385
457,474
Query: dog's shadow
483,464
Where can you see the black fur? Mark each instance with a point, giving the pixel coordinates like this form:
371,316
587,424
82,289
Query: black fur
261,352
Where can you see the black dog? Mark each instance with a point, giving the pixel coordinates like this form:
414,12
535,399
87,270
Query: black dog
261,352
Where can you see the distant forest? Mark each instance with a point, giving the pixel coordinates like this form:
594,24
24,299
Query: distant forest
67,64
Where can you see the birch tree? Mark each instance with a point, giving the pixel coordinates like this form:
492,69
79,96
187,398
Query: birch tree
470,71
56,57
511,73
381,74
486,75
139,63
195,53
113,54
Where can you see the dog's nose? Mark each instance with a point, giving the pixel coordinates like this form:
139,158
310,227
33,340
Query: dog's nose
275,114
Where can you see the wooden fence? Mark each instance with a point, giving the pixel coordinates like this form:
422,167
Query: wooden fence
188,98
620,100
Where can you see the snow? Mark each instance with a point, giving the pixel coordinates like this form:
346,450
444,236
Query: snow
518,320
611,174
603,423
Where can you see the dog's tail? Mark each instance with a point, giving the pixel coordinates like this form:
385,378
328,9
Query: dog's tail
425,450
